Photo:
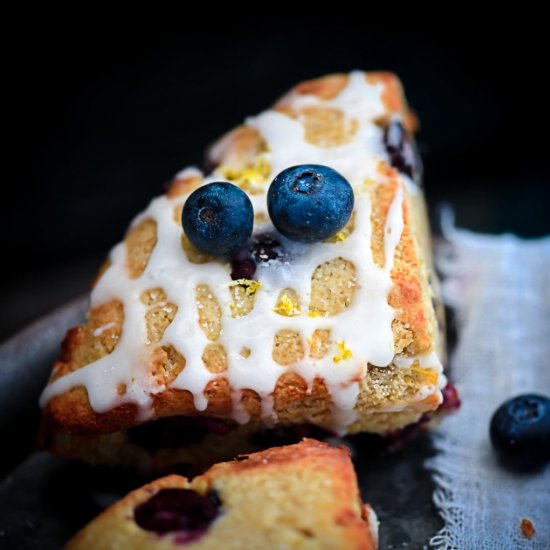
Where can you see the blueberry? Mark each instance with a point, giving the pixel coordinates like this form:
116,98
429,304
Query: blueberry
309,202
217,218
265,248
242,268
401,150
520,431
183,510
451,400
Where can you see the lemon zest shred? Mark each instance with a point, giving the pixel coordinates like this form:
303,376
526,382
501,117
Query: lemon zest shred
429,374
369,182
343,352
314,313
286,307
250,286
339,237
228,172
255,174
249,175
262,166
365,187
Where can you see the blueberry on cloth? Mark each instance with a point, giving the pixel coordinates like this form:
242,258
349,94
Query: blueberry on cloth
217,218
520,431
309,203
172,510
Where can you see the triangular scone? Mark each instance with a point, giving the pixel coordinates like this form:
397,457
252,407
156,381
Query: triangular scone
299,496
342,335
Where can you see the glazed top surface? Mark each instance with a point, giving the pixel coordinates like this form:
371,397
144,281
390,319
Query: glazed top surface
361,334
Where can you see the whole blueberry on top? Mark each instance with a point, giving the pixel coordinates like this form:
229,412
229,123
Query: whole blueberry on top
183,510
309,202
217,218
520,431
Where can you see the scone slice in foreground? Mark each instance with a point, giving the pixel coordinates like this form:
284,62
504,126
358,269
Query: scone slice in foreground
300,496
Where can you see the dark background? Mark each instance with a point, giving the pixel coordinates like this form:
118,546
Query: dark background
97,120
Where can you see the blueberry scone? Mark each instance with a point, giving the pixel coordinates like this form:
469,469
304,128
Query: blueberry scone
299,496
290,290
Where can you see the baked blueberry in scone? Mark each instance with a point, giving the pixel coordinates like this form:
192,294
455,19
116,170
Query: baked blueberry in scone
300,496
299,300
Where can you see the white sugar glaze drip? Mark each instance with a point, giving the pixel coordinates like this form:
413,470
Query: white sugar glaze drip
365,326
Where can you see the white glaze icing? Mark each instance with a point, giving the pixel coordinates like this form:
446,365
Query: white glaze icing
365,327
188,172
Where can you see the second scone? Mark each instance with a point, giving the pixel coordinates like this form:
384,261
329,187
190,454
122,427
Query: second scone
300,496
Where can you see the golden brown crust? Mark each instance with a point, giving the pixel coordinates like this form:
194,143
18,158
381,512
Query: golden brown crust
194,255
238,147
333,298
252,403
326,87
393,97
319,343
302,495
183,185
104,532
324,126
294,400
91,341
288,347
171,400
385,385
160,313
140,241
168,362
412,326
214,358
209,312
72,410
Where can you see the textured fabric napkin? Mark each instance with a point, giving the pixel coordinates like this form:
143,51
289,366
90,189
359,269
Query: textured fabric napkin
499,288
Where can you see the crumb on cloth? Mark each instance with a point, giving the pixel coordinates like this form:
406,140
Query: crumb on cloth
527,528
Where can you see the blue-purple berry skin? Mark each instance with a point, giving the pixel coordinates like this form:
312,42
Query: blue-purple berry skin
520,431
402,151
217,218
264,248
181,511
310,203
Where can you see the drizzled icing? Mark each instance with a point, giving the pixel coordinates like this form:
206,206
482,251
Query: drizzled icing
365,326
